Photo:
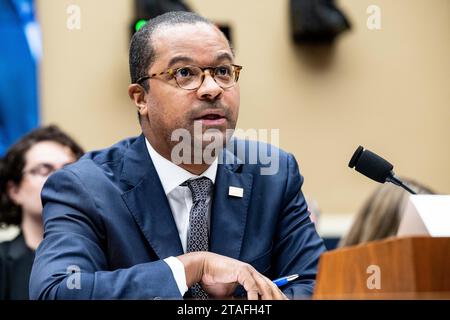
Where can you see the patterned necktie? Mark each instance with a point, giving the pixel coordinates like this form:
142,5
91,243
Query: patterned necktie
198,223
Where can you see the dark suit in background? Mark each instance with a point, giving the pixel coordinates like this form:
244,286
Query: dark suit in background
16,260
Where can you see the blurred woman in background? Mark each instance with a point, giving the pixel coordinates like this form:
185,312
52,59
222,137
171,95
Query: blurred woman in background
23,172
381,214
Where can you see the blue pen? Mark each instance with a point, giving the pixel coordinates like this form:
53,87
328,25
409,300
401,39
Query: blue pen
282,281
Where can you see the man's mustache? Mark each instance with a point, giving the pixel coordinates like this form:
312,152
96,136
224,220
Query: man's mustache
213,107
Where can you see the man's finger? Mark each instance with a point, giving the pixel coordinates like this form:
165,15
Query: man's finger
246,279
265,288
276,292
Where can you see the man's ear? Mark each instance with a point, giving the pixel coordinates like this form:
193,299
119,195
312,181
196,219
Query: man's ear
138,95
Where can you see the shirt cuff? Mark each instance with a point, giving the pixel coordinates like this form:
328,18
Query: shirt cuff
178,272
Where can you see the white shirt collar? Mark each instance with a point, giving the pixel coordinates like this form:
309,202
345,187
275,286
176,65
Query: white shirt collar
171,175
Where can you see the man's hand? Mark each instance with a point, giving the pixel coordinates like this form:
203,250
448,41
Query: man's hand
219,276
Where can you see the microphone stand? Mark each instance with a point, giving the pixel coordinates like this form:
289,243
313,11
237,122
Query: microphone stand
392,178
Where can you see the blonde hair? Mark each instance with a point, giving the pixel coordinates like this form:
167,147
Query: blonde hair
380,215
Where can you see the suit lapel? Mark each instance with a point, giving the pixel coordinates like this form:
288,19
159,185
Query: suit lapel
150,208
148,203
229,213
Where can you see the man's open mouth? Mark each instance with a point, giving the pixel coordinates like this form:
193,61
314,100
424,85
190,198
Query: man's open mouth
212,118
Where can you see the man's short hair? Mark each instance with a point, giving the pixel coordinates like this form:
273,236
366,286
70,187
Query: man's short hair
142,53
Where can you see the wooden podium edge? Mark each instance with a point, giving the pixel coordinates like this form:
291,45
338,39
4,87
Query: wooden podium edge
411,245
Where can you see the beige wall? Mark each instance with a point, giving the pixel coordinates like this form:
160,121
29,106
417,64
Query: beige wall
85,72
387,90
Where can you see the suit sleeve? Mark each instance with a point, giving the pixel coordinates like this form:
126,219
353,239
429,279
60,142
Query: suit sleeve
298,246
70,262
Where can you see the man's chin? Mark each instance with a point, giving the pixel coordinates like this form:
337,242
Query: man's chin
216,141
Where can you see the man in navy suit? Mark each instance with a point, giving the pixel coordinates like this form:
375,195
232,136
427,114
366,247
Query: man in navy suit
133,221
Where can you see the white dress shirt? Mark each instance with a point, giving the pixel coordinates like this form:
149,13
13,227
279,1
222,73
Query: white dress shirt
180,201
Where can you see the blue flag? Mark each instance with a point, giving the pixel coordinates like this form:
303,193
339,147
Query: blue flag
20,50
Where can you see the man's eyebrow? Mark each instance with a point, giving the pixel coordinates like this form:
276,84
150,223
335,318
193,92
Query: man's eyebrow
178,59
224,56
174,60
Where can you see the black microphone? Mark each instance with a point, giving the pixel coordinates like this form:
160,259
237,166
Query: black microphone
375,167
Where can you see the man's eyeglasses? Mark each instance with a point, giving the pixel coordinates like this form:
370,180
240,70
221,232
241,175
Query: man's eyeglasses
191,77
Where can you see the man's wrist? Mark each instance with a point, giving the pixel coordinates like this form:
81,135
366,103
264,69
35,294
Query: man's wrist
193,266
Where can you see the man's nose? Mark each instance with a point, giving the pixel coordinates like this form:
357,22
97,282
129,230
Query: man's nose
209,90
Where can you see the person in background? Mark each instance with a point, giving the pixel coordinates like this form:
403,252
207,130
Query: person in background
23,172
381,214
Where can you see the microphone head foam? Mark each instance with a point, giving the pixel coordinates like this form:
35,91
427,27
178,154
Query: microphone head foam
371,165
355,157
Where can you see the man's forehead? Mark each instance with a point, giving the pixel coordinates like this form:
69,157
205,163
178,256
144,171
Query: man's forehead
185,39
181,29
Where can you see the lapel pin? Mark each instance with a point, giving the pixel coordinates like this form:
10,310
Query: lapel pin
236,192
